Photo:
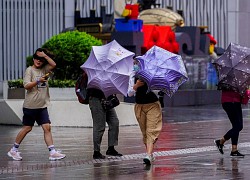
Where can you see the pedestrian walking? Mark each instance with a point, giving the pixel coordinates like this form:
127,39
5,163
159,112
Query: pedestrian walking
36,102
147,111
231,103
100,117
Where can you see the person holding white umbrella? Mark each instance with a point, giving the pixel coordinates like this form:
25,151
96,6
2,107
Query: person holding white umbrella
108,68
100,116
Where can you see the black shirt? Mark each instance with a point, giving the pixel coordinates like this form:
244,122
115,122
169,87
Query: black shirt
92,92
144,97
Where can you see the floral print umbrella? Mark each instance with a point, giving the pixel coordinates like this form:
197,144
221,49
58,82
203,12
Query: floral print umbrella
233,68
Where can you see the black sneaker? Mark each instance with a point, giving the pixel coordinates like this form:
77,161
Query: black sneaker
98,155
219,146
236,154
113,152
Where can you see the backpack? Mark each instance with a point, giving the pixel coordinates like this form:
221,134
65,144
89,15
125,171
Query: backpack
81,88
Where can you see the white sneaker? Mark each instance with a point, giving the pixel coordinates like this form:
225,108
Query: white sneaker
56,156
148,159
14,155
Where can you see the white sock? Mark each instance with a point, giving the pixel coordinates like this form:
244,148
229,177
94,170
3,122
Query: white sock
15,147
52,149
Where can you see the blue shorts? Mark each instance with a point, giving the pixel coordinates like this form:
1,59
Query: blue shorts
40,116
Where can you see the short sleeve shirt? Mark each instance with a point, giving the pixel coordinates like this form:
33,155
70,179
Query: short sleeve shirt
38,96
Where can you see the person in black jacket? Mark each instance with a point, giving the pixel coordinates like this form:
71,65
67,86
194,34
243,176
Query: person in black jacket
100,116
147,111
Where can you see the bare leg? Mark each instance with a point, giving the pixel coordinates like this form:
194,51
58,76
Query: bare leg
47,134
222,140
234,148
21,135
13,153
54,155
150,147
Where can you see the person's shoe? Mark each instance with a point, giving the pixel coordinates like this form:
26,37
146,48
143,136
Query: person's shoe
113,152
219,146
98,155
236,154
56,156
14,155
148,159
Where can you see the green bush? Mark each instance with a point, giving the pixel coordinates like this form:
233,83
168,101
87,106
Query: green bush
29,61
15,83
52,83
71,50
62,83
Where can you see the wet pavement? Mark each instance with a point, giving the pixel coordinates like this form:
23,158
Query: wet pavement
185,150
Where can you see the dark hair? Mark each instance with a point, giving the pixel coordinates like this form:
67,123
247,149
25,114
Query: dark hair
46,51
35,56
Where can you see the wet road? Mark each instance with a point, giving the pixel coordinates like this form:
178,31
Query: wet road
185,150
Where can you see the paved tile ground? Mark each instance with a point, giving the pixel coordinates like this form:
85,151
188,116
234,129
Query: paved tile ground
185,150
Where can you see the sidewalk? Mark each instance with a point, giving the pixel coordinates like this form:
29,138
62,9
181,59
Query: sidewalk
185,150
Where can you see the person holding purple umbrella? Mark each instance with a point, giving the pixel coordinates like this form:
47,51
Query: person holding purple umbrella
147,111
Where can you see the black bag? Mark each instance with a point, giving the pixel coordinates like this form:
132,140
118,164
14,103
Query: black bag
81,88
109,103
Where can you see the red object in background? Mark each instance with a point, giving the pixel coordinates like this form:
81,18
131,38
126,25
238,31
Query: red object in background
133,10
161,36
149,34
163,40
212,40
176,47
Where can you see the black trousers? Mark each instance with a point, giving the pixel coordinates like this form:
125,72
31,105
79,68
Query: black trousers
234,112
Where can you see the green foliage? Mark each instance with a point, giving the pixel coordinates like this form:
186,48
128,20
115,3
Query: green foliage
62,83
52,83
71,50
15,83
29,61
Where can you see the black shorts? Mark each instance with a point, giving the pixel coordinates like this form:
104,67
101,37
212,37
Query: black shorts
40,116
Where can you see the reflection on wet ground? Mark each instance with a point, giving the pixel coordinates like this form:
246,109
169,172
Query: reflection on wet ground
185,150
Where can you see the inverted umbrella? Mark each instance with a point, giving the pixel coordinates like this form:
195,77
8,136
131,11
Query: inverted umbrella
233,68
108,68
162,70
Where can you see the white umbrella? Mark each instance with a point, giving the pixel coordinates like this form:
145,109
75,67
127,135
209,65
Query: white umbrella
108,68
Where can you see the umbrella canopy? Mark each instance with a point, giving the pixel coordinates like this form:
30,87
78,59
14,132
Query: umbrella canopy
108,68
162,70
161,17
233,68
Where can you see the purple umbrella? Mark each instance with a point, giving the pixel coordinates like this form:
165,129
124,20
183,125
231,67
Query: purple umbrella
108,68
233,68
162,70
